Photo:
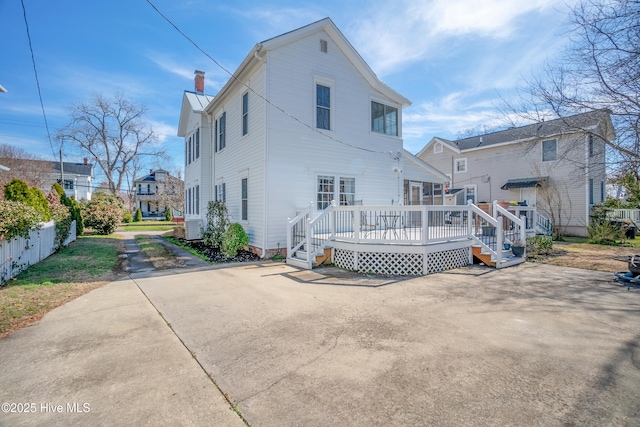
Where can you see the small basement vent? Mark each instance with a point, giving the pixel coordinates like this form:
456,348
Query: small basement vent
323,46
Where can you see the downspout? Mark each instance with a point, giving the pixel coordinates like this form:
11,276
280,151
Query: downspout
586,183
265,181
212,157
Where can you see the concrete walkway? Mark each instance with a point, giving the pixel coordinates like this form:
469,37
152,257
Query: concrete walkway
527,345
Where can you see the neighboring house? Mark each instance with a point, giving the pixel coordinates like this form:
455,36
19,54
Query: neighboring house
77,178
557,166
157,192
304,120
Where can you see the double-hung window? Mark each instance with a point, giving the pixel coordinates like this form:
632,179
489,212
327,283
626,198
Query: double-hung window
327,191
197,138
222,131
384,119
461,165
245,114
323,107
245,199
549,150
221,192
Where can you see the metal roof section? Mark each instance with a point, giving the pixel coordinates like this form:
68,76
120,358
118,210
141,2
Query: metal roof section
525,182
433,174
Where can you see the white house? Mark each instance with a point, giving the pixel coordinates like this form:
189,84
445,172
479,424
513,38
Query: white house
157,192
77,178
304,120
557,166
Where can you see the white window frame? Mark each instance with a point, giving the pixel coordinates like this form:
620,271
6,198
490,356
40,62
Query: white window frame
437,148
457,163
244,198
323,81
336,193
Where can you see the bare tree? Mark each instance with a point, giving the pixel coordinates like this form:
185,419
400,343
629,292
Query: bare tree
114,133
24,166
599,71
170,193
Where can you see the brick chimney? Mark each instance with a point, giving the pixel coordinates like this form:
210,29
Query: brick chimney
199,79
86,160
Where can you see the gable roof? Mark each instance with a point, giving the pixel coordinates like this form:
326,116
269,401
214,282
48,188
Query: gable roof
584,122
191,103
256,57
433,174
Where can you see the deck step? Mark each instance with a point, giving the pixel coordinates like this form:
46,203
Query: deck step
487,258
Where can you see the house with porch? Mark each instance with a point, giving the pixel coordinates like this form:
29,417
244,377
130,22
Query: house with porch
553,170
157,192
303,126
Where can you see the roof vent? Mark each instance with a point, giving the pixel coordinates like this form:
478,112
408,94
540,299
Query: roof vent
323,46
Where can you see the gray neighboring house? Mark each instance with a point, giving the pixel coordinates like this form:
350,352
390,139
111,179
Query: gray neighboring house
557,166
77,178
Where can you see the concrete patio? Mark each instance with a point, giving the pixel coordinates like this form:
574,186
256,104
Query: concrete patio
527,345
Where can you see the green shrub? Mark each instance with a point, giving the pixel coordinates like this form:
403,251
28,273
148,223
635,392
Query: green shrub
127,217
19,191
168,216
17,219
217,224
61,216
539,244
235,238
103,217
74,208
605,233
138,216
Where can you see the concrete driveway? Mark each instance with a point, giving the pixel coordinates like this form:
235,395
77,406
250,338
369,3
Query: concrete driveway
527,345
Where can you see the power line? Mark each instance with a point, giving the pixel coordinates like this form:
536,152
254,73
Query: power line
282,110
35,71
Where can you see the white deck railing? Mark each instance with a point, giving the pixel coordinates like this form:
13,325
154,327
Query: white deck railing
624,215
535,222
401,225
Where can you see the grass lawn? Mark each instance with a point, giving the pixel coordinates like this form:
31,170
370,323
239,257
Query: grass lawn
160,257
86,264
148,226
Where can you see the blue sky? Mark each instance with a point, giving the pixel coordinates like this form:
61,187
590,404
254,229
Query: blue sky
454,59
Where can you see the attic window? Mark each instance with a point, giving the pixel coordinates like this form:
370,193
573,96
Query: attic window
323,46
437,148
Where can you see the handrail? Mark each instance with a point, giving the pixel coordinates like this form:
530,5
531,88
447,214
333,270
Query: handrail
483,214
511,217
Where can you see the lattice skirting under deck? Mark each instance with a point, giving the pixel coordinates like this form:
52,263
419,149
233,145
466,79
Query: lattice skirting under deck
400,264
447,260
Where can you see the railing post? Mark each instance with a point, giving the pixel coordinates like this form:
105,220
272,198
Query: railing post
289,237
499,242
425,224
309,245
332,221
470,218
357,212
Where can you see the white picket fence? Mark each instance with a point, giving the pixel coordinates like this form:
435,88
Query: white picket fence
19,253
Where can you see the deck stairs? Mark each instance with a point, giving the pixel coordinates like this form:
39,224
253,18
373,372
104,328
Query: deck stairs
299,258
489,257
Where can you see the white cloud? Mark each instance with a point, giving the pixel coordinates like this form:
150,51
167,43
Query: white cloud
215,77
394,34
